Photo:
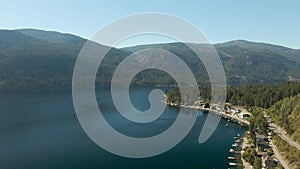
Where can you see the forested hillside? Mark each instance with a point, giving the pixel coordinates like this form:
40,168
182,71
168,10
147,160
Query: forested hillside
260,95
244,62
286,113
35,60
44,61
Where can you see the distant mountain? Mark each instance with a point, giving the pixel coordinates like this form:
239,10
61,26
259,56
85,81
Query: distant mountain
251,62
51,36
244,62
37,60
284,51
55,37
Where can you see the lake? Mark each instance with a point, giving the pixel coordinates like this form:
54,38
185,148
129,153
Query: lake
42,131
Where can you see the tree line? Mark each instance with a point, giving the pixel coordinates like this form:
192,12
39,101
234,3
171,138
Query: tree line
286,113
260,95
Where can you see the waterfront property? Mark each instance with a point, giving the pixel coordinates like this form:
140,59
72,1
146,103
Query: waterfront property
269,162
261,143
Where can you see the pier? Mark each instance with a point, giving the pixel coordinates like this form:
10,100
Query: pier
220,113
234,159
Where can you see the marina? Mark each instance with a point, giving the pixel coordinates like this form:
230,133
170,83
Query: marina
218,111
235,159
235,116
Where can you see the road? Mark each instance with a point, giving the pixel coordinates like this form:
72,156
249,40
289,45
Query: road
281,133
278,156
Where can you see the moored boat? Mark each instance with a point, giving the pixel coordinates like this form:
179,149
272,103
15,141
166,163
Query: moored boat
231,158
238,140
235,145
232,164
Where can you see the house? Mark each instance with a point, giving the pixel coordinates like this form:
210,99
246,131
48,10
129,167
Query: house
245,115
261,141
269,162
233,111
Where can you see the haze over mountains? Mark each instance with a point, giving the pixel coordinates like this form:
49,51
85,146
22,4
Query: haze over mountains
37,60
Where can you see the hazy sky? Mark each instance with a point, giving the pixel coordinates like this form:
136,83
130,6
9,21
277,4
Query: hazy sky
270,21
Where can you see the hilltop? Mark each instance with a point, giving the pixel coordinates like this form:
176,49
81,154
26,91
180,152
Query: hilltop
38,60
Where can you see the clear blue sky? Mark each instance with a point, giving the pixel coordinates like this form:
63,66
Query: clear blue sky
270,21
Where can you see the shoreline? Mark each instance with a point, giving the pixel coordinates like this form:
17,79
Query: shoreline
245,144
224,115
242,122
215,111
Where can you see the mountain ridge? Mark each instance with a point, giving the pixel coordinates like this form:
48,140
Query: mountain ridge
37,60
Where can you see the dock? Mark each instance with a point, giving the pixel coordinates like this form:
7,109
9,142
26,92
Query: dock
220,113
235,152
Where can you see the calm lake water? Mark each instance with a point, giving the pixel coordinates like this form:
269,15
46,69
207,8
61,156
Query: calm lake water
42,131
